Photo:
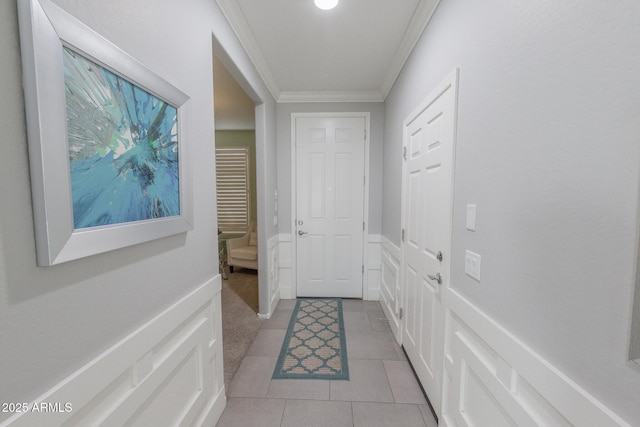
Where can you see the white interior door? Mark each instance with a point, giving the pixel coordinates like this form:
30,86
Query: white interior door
329,206
427,194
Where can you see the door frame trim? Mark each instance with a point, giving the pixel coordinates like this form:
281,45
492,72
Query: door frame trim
451,81
365,235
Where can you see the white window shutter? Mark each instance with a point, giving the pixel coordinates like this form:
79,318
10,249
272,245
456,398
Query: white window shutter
232,183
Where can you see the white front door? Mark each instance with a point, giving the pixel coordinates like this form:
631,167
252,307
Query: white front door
427,195
329,206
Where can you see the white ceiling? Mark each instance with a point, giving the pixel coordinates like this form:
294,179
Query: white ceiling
351,53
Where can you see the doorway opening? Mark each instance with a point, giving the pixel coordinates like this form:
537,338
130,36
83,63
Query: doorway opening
236,188
236,200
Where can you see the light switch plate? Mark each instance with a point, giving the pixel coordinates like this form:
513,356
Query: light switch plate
471,217
472,264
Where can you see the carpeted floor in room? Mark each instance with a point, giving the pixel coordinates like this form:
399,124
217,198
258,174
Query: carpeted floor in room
240,322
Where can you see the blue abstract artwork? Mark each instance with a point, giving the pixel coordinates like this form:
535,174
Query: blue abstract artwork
123,147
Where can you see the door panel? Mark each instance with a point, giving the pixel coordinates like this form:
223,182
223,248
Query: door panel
329,206
429,308
316,179
344,166
316,258
411,318
427,195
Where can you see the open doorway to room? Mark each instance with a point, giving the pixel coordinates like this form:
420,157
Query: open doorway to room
234,116
236,184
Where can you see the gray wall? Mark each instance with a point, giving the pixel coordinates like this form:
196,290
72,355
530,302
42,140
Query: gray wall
55,319
375,156
548,149
233,108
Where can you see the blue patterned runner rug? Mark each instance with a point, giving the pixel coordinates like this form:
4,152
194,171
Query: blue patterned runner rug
315,345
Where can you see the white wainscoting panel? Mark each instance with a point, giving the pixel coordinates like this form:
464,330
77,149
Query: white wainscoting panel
285,269
274,272
390,285
492,378
373,269
168,372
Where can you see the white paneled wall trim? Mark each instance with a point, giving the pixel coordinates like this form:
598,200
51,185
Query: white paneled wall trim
167,372
372,258
390,284
492,378
273,267
373,268
285,266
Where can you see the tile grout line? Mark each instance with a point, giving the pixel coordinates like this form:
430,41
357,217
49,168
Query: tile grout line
353,417
284,408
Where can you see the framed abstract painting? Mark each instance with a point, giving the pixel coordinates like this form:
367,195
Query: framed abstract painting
107,141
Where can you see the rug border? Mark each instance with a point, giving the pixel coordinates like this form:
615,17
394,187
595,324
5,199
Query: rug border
344,376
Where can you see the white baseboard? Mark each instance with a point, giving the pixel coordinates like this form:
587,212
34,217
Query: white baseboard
167,372
492,378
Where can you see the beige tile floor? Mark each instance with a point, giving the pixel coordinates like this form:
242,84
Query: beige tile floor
382,390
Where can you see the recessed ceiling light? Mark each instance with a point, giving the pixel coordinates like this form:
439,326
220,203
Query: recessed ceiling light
326,4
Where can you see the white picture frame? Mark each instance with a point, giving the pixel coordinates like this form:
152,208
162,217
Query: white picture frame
45,29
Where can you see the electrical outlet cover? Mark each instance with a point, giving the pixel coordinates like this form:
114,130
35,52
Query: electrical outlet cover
472,264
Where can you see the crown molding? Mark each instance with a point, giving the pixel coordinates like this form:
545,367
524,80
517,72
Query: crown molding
339,96
423,13
238,23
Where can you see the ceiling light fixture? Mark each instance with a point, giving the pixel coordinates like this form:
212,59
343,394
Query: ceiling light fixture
326,4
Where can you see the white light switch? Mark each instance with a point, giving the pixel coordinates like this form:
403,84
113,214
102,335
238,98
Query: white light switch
472,264
471,217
